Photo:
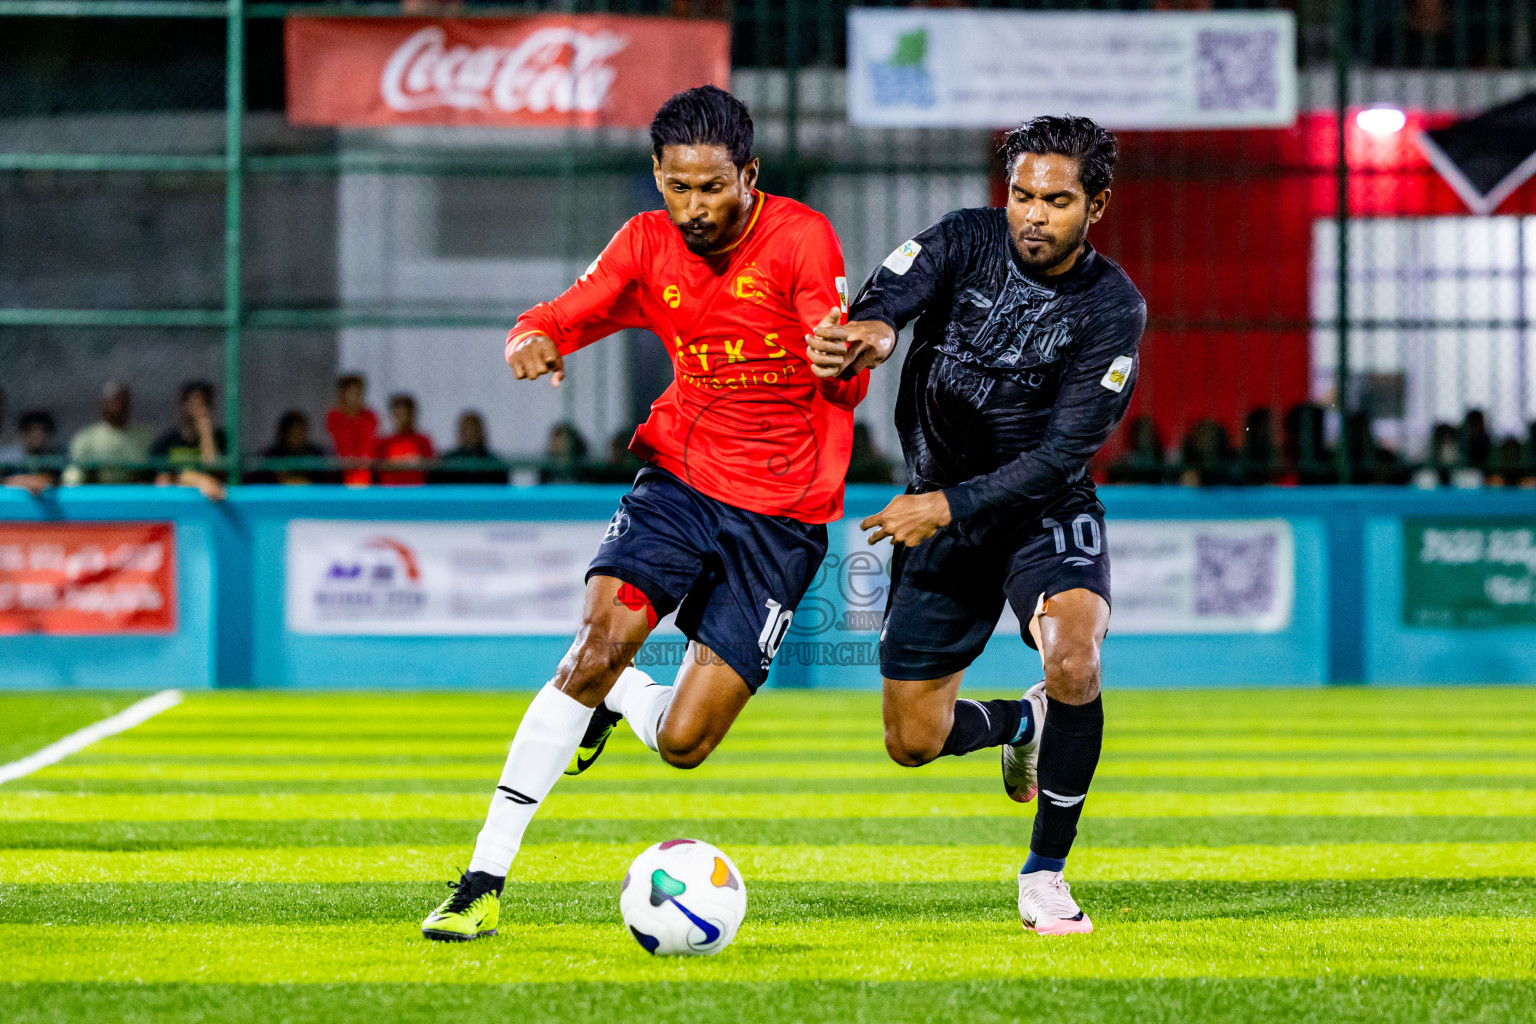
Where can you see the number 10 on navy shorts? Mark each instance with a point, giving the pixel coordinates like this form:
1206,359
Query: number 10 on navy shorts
735,577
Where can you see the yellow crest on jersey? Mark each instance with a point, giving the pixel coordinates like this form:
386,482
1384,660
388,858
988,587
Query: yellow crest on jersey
747,288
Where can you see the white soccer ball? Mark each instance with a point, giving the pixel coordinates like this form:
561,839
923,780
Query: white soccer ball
683,898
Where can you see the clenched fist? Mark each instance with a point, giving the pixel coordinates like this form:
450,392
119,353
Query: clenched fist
837,349
533,355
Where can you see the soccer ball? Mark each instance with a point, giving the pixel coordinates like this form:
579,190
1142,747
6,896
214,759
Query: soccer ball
683,898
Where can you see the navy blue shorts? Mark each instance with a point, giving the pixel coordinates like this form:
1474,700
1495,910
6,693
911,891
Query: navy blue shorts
735,577
947,592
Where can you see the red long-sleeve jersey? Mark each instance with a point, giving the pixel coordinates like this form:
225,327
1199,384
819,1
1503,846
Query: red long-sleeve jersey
744,420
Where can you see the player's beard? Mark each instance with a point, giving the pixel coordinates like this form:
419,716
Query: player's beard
699,245
1051,256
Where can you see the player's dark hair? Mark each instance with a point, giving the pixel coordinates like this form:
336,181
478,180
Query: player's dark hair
403,398
1080,138
706,116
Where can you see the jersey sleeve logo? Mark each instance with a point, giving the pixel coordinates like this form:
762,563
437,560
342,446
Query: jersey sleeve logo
1119,373
590,267
900,261
672,295
841,285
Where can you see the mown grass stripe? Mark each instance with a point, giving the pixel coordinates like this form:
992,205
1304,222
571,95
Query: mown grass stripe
929,831
684,785
725,768
595,902
1260,709
852,862
811,950
575,804
1327,999
285,744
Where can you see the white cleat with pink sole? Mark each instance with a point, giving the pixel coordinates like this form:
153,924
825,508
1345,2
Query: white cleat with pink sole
1021,760
1046,905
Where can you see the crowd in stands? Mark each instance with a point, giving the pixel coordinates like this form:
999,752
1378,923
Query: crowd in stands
191,452
1297,453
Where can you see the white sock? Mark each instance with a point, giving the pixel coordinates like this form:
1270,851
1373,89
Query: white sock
546,739
642,701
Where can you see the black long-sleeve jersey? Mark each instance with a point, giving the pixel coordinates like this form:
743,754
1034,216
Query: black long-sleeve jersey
1012,382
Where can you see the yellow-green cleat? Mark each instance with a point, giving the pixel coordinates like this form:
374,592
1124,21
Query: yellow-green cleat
596,737
470,913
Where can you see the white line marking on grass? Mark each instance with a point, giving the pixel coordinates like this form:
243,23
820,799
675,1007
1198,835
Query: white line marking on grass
134,714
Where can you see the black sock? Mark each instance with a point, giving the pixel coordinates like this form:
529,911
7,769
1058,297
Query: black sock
981,724
1069,752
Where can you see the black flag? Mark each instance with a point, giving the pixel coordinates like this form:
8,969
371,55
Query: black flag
1485,158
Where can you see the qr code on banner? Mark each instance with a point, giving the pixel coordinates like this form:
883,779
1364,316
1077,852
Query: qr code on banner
1235,576
1235,69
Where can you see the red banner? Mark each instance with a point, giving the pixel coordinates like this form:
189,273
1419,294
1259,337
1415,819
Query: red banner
546,71
87,578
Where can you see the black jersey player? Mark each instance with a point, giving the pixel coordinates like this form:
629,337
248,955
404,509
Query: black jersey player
1022,362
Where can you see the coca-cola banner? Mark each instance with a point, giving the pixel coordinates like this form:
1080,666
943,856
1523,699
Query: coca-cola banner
87,578
546,70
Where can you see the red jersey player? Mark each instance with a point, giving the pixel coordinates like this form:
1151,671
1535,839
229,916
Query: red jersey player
746,454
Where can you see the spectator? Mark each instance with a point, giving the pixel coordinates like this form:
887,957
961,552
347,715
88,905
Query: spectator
1208,456
1509,467
405,447
565,455
353,427
1306,455
471,446
23,462
867,465
1261,455
1476,442
1144,461
1370,462
292,442
34,440
105,452
194,443
622,464
1444,456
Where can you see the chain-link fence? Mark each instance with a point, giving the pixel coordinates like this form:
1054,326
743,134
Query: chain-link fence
1323,306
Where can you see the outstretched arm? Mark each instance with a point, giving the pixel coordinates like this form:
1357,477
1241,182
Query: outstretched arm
603,300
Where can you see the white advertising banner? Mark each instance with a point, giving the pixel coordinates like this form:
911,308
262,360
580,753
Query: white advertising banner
437,578
955,68
1172,576
1201,575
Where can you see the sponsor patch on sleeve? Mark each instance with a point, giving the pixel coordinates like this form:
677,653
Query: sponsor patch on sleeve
841,284
1119,373
900,261
590,267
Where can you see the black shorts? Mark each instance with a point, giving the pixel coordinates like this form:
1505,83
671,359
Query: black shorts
947,592
735,577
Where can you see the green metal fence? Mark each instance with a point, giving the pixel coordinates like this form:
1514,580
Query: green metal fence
1351,54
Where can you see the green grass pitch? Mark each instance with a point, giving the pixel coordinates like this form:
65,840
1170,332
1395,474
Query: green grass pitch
1327,856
